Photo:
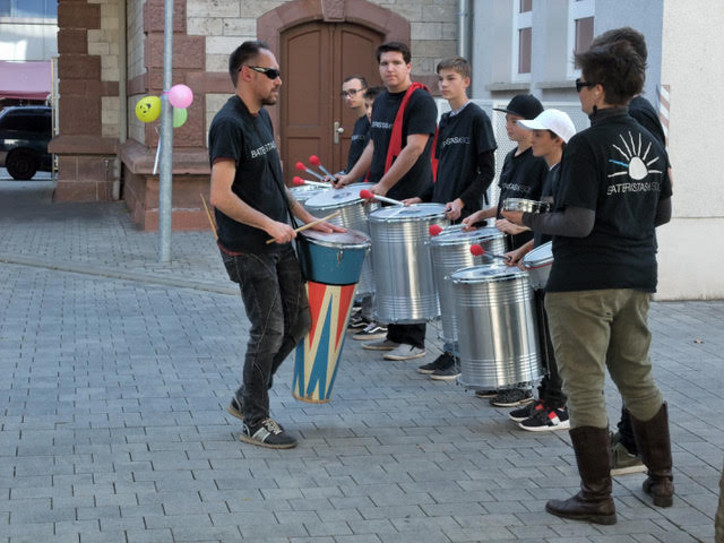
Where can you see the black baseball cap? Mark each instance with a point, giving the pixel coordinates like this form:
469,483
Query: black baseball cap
524,105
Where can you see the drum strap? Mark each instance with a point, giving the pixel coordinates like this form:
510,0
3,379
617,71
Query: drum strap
395,146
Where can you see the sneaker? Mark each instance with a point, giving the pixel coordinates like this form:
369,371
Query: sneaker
512,397
235,408
267,434
623,462
440,362
545,420
381,345
446,374
371,331
527,411
357,322
405,352
486,394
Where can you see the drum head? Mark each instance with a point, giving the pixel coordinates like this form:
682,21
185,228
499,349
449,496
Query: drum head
457,236
539,256
334,198
351,239
417,212
486,274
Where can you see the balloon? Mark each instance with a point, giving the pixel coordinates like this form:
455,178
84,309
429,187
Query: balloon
148,109
179,117
180,96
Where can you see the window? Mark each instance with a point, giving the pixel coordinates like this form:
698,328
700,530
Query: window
522,39
29,9
580,31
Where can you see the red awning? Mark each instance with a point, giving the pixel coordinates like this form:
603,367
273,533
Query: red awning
25,80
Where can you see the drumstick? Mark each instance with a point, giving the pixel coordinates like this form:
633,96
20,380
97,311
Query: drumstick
211,221
436,229
310,224
477,250
298,181
314,161
302,168
367,195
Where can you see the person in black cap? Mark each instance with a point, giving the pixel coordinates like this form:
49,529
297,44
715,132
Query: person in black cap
522,176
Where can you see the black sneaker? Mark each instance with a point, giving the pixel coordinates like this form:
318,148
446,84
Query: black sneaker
450,373
267,434
546,420
486,394
522,413
370,332
235,408
357,322
512,397
442,361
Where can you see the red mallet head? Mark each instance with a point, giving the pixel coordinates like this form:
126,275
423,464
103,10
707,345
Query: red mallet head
301,167
477,250
297,181
435,229
314,160
366,194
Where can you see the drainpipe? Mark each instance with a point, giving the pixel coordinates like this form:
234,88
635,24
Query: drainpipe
464,29
122,96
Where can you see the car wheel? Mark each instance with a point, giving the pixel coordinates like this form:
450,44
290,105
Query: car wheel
22,164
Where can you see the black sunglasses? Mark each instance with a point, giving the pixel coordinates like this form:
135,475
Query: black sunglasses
581,84
271,73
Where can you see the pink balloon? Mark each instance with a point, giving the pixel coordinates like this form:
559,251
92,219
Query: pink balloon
180,96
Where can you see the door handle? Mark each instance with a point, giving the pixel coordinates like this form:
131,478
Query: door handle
338,129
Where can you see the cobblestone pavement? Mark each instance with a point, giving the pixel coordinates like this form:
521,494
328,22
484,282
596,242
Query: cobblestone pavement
117,371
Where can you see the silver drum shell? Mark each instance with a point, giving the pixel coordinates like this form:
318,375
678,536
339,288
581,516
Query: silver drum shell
538,263
353,215
497,332
404,281
451,252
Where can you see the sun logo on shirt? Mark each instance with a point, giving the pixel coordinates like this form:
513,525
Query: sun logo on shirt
637,167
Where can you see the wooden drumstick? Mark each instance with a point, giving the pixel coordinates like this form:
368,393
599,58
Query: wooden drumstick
211,221
368,195
310,224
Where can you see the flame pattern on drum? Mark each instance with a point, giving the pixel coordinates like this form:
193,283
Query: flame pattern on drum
315,364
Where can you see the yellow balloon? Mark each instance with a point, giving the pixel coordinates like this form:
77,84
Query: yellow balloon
148,109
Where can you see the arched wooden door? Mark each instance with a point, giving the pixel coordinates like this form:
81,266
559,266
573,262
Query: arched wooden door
315,58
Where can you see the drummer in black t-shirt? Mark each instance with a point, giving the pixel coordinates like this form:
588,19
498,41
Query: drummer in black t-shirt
252,205
614,190
466,166
410,171
353,94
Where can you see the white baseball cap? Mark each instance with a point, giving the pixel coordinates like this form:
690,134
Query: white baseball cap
555,120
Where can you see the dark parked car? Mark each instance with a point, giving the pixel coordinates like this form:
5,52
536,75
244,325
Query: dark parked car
24,135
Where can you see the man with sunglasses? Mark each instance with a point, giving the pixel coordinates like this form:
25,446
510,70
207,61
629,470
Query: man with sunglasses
353,94
252,206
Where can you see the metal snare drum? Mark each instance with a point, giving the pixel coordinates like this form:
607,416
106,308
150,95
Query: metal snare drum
404,283
450,252
526,206
538,264
353,214
332,259
303,193
497,333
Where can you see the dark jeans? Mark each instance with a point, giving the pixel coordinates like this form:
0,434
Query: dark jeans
551,386
409,334
276,304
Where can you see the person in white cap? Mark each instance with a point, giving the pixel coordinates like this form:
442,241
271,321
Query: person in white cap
551,131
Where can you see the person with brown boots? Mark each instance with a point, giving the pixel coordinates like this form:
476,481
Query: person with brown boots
613,191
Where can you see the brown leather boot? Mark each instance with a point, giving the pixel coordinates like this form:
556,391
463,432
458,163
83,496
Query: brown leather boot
654,444
593,503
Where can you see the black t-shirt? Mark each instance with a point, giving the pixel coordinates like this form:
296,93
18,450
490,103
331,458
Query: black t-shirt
550,185
644,113
618,170
358,142
522,176
420,118
248,140
461,139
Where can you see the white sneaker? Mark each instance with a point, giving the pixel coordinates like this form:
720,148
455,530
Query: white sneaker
405,352
381,345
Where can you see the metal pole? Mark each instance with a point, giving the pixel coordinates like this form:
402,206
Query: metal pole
164,189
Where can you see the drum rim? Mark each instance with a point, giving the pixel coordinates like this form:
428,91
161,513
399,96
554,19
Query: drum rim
375,215
530,262
442,241
365,244
511,273
536,203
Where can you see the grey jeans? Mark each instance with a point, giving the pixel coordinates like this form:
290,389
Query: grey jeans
272,289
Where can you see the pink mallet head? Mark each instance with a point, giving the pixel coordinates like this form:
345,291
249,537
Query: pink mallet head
366,194
435,229
297,181
300,166
314,160
477,250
